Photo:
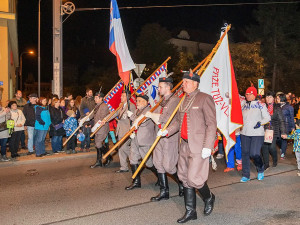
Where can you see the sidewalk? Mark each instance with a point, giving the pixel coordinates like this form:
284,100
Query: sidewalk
26,159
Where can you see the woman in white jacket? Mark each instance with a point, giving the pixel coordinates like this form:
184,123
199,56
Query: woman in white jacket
19,118
255,115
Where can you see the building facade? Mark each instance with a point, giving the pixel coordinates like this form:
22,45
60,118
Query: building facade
9,54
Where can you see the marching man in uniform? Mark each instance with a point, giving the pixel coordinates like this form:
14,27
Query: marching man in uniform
101,111
198,128
142,139
122,128
165,155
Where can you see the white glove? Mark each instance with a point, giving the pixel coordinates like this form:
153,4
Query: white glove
98,124
206,152
136,122
81,122
129,113
153,116
132,135
162,133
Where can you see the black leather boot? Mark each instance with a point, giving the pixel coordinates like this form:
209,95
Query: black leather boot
154,170
98,163
208,198
164,188
180,186
136,183
190,205
109,158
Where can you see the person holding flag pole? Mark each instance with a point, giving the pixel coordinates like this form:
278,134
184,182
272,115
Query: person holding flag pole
165,155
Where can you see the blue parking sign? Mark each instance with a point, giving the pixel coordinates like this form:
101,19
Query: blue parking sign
261,83
1,83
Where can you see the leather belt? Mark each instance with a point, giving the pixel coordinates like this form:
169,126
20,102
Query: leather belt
186,140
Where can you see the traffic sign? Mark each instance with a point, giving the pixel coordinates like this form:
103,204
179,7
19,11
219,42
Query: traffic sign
1,83
261,91
261,83
139,68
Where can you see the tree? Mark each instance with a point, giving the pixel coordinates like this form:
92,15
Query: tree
248,64
278,30
153,48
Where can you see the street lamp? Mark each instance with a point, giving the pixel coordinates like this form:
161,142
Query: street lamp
21,64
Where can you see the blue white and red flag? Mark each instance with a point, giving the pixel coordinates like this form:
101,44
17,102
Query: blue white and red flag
118,45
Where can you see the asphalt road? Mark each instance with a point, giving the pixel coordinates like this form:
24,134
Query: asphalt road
66,191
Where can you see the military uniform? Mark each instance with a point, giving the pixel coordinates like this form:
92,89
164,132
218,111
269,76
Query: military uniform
198,127
140,145
100,112
122,128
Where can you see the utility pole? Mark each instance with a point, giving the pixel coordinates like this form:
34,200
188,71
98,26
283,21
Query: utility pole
57,49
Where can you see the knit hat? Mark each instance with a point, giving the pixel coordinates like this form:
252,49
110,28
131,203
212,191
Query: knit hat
251,90
86,110
191,76
70,113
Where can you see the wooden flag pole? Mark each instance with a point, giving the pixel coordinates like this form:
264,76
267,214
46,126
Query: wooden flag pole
106,119
157,139
142,120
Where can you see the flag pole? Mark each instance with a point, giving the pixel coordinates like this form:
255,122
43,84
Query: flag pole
106,119
213,52
142,120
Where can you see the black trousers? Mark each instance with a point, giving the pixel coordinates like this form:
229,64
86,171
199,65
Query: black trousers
269,148
14,142
72,143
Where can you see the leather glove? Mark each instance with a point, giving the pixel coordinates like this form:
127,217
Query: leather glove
129,113
153,116
136,122
98,124
206,152
162,133
132,135
257,125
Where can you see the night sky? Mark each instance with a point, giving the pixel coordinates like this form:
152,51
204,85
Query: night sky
94,25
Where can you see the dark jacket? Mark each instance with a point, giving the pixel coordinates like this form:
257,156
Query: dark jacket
29,114
57,117
86,103
288,114
277,122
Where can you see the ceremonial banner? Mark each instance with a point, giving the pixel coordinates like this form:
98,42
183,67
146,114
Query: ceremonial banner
218,80
113,97
150,87
118,45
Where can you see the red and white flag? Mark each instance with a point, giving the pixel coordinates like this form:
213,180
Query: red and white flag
218,80
118,45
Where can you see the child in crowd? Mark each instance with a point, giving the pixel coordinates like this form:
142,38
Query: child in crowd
296,137
237,150
112,127
86,130
70,126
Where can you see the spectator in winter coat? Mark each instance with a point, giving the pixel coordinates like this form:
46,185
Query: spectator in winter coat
255,115
276,124
29,113
56,128
87,103
21,102
288,115
4,134
112,127
70,126
19,119
42,123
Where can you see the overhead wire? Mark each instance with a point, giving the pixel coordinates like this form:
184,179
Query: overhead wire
198,5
